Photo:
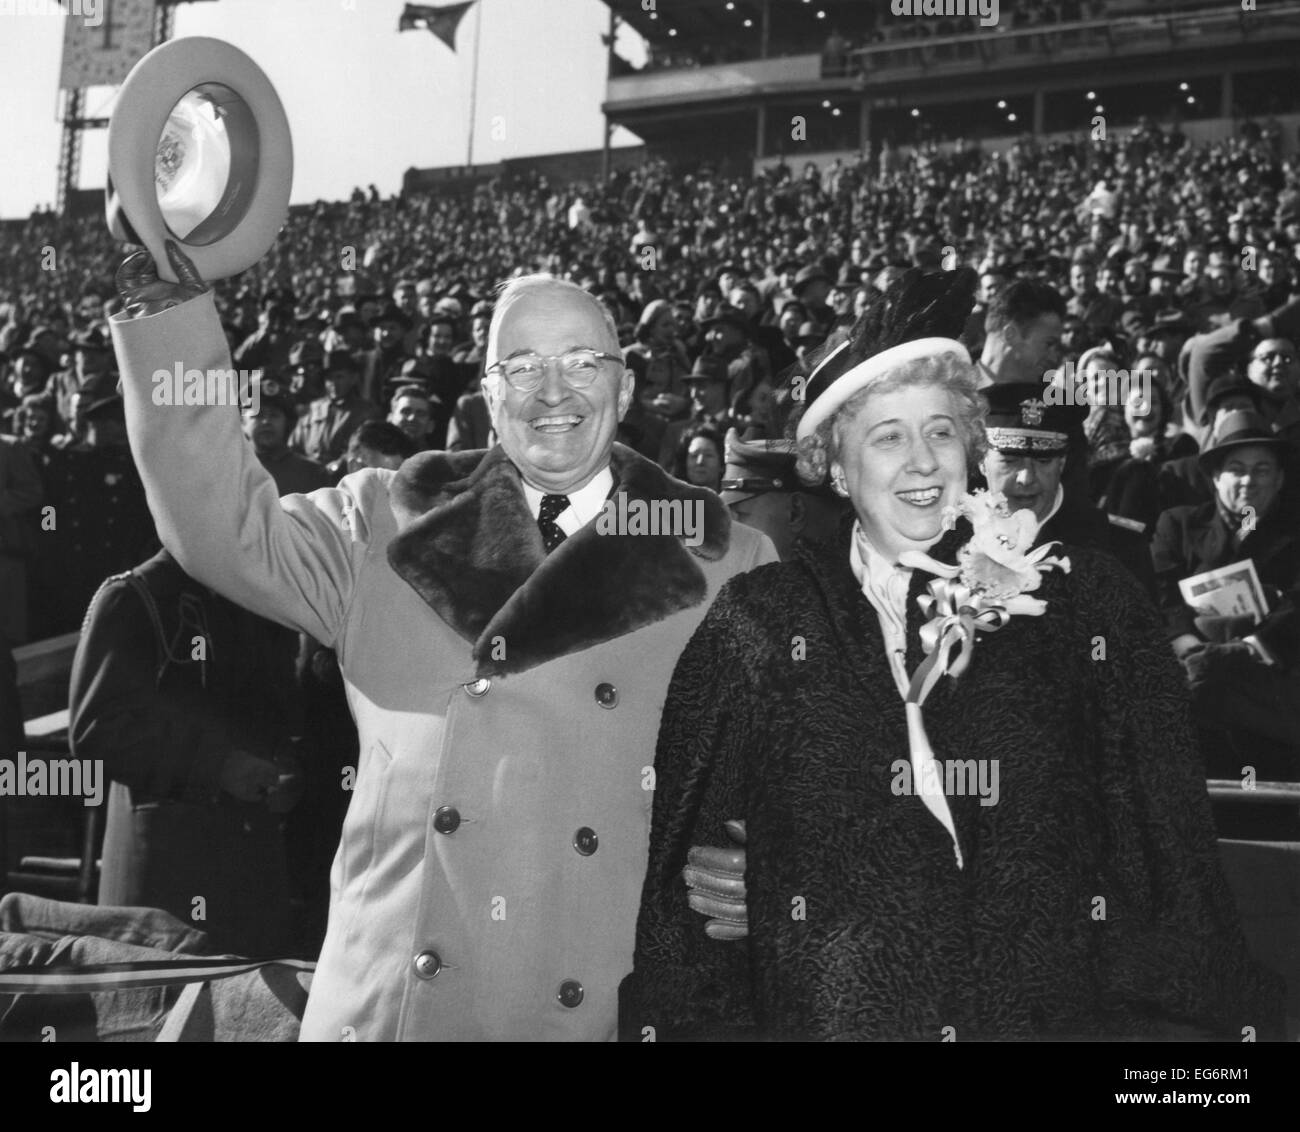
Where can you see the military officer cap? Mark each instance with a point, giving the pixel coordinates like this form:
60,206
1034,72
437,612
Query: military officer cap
1021,423
755,467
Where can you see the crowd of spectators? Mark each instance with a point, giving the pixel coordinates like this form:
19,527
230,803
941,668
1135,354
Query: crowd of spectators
369,320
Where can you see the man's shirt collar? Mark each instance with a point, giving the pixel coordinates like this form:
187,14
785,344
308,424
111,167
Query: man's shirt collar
584,504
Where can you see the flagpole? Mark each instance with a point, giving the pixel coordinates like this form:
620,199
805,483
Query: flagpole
473,86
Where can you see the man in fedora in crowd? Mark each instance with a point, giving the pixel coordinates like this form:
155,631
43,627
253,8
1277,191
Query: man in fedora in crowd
323,434
1244,670
384,360
92,361
506,659
812,286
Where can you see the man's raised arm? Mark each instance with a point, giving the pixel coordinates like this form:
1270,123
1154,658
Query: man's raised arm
216,508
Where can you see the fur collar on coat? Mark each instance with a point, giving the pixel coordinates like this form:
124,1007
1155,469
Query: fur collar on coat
469,546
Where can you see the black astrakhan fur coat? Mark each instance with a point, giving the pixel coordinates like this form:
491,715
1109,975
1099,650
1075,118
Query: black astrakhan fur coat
1092,903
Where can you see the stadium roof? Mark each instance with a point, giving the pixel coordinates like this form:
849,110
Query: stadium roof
699,21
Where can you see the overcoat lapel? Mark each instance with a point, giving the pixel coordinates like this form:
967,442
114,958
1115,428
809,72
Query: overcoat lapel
1212,541
467,543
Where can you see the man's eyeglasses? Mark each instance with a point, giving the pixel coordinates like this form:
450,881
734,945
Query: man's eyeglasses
524,372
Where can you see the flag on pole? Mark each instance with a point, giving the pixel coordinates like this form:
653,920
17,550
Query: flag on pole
443,22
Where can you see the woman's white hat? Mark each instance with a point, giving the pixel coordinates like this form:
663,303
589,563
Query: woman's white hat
828,389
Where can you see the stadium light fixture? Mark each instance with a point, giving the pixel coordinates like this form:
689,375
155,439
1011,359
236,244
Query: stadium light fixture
821,15
1191,99
915,112
1182,87
826,103
1011,117
1002,103
749,23
672,31
1099,109
1090,95
836,112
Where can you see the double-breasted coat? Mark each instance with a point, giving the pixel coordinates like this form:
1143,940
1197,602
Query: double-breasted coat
487,881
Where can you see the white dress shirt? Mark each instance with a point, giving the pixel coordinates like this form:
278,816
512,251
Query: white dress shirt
584,504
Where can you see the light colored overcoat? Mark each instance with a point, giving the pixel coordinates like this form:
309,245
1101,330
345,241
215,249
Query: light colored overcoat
507,702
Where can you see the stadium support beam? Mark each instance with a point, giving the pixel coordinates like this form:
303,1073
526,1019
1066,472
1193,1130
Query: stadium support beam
765,30
70,146
760,136
605,159
74,104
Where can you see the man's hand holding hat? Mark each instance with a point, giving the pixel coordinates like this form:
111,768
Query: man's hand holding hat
144,294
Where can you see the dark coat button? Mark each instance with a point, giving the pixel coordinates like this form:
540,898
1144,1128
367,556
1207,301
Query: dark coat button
606,695
571,993
585,841
478,687
427,965
446,819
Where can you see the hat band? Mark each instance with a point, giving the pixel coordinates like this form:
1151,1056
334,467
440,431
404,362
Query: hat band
839,390
753,483
1029,440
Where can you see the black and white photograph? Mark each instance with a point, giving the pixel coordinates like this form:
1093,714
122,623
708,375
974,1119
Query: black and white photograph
729,522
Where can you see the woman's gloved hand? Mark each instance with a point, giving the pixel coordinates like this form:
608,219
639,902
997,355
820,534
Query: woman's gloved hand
716,880
143,293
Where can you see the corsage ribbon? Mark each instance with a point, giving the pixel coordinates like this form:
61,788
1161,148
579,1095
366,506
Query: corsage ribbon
990,584
956,614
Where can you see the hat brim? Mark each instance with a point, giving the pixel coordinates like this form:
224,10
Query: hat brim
247,221
1207,459
863,374
730,497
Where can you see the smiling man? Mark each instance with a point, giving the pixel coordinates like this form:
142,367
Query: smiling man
1244,671
505,661
1028,453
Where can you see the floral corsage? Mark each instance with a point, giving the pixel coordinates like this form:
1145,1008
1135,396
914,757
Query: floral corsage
996,571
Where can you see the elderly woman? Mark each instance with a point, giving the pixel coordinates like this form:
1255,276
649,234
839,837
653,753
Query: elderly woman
973,803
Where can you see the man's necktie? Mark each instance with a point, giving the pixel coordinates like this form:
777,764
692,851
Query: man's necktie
552,505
